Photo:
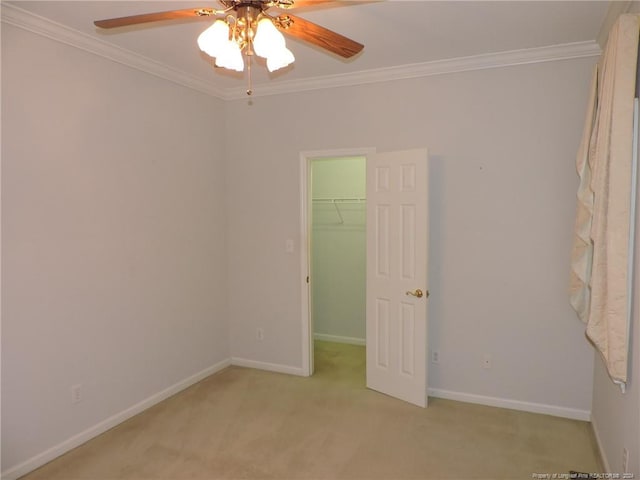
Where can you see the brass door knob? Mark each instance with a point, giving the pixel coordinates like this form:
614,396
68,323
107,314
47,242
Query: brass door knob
418,293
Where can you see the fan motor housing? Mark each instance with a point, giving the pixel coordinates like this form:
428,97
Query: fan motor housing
260,4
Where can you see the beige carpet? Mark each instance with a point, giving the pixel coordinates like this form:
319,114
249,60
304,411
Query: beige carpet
250,424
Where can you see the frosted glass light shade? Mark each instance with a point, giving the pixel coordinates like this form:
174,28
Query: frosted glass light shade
214,39
279,59
268,39
230,57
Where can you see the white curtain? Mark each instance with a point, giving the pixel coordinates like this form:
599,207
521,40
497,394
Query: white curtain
600,274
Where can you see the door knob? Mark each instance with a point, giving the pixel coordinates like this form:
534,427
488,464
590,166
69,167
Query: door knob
418,293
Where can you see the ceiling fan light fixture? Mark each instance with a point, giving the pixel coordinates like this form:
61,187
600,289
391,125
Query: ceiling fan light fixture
230,57
279,59
214,39
268,39
245,28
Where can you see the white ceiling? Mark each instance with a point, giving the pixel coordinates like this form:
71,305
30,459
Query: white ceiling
394,32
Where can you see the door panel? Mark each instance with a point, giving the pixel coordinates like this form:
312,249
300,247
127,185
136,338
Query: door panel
397,238
382,333
382,240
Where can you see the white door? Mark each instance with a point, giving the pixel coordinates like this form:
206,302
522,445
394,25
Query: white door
397,274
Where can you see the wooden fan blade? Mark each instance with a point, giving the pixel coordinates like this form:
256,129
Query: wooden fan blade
193,13
317,35
321,3
310,3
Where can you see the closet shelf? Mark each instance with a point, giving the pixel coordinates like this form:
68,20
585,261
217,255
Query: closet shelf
338,200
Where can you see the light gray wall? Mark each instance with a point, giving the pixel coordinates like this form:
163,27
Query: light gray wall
338,249
502,196
113,239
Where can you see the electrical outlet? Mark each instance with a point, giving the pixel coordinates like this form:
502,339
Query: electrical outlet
260,334
625,460
486,361
435,357
76,393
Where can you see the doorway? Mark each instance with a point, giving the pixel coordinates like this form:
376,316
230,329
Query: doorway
395,280
335,207
337,265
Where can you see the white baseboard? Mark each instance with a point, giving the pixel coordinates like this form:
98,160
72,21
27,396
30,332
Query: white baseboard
271,367
339,339
554,410
603,457
38,460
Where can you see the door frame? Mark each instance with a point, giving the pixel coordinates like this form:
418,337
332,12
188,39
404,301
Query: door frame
305,246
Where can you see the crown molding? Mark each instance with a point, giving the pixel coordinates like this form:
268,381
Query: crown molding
439,67
25,20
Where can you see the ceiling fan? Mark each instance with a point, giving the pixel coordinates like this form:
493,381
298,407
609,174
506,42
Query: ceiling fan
245,28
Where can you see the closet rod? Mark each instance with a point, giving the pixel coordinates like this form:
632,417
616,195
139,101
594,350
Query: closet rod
333,200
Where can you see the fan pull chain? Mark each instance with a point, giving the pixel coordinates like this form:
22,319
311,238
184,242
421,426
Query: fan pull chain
249,90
